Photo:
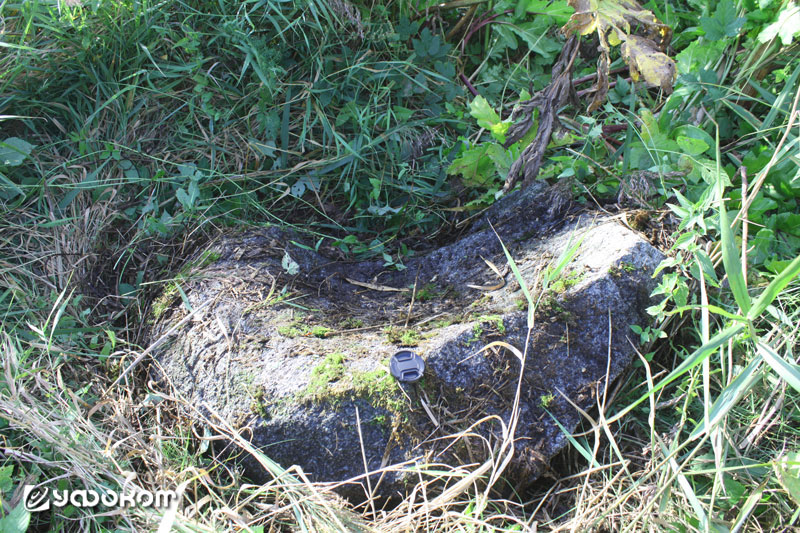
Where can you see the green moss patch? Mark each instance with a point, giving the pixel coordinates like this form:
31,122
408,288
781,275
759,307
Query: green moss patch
298,329
567,281
331,369
402,336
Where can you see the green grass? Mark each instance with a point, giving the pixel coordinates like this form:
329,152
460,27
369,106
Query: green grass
132,132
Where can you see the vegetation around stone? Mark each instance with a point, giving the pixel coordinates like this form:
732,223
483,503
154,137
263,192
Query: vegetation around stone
133,134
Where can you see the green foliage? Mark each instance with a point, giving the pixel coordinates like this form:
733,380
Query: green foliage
787,26
402,336
723,23
131,128
427,293
485,166
328,371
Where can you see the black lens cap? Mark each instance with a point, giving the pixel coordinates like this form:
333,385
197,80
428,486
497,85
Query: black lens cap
407,366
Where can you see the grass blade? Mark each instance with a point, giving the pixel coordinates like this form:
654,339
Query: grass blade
774,288
520,280
788,372
728,398
572,440
730,257
697,357
748,507
564,259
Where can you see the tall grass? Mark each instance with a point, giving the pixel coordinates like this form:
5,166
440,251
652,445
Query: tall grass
148,127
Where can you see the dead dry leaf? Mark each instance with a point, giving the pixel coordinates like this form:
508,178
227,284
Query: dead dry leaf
500,274
646,61
375,287
612,20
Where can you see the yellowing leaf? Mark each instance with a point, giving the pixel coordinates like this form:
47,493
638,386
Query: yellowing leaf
613,21
646,61
583,23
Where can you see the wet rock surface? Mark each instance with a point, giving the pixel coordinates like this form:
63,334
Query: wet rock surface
299,361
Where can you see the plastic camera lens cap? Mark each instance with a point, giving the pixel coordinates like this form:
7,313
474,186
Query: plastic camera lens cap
407,366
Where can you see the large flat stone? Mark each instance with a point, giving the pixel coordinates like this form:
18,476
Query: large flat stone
257,353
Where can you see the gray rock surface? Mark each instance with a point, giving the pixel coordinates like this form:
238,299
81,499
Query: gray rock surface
295,360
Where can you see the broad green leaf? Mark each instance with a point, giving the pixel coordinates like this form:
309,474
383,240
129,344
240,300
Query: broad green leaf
474,165
535,35
487,118
6,475
711,172
8,189
184,199
788,372
13,151
481,111
699,55
774,288
652,134
788,473
126,289
289,265
787,25
724,23
559,9
499,131
506,38
266,149
500,157
692,146
16,521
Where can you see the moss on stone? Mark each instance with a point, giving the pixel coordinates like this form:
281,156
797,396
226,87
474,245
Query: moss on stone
442,323
290,331
546,399
477,331
402,336
331,369
427,293
494,320
566,281
165,299
379,388
352,323
170,293
258,405
296,328
205,259
624,266
332,382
